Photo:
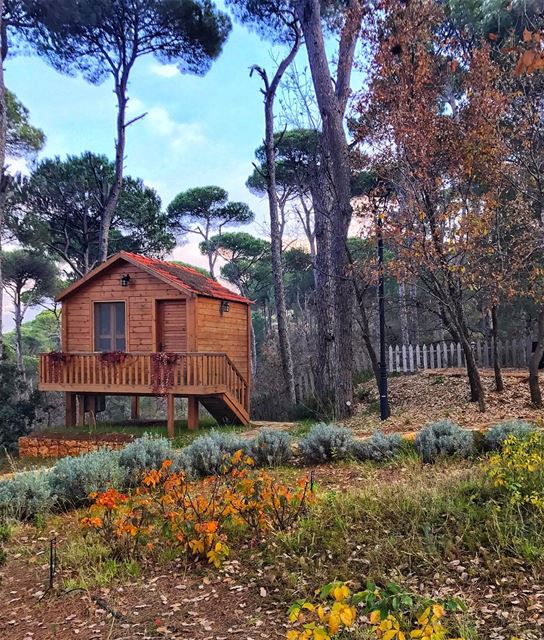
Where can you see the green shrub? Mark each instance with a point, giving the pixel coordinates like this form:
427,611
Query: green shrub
206,455
363,394
144,454
73,479
444,438
26,495
5,535
494,438
5,532
17,406
326,442
270,448
378,447
518,470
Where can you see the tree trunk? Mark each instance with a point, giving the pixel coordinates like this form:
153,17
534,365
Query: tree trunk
3,177
253,350
477,393
276,226
211,264
332,102
534,362
415,312
365,326
324,303
499,384
309,229
403,315
18,317
369,346
277,266
115,190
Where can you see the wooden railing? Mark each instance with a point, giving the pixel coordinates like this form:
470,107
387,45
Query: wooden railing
158,373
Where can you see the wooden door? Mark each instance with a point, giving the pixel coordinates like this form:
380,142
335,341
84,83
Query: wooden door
171,325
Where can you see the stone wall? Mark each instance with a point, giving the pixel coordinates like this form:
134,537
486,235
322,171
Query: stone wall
59,445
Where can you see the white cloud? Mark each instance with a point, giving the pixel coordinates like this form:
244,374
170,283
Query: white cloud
182,136
164,70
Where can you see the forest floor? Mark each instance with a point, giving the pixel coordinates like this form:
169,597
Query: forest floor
424,527
420,398
415,400
94,597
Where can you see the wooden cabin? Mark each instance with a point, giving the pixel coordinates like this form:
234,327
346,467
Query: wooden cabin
137,326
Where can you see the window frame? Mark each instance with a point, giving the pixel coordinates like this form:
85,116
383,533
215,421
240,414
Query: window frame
114,335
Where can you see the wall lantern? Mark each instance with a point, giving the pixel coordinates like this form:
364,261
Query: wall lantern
125,280
224,308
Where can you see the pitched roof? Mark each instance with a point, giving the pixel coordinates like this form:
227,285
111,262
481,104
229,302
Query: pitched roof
186,279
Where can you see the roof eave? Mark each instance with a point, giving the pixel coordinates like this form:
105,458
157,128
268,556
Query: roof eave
121,255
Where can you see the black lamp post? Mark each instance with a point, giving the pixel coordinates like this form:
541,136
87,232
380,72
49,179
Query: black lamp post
380,198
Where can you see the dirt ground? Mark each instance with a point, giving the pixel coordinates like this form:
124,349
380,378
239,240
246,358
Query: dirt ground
241,600
428,396
170,603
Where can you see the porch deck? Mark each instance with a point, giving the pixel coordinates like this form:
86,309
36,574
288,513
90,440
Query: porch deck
212,377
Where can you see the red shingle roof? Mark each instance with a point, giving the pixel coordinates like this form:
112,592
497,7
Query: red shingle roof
188,280
187,277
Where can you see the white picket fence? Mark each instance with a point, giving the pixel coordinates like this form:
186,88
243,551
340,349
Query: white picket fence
441,355
410,358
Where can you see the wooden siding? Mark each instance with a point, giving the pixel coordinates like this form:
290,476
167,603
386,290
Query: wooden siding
140,298
227,333
207,330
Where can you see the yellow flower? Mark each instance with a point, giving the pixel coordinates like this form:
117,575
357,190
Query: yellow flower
375,617
196,546
347,615
334,623
341,592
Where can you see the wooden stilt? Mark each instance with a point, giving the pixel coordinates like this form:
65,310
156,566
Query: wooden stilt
91,408
135,408
171,406
192,412
80,410
70,409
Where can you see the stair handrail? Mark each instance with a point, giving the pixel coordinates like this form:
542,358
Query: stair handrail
242,379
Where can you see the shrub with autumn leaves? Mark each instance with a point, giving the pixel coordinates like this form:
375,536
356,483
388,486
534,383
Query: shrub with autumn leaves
517,471
169,511
389,614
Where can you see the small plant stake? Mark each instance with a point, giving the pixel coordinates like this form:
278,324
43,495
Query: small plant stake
52,561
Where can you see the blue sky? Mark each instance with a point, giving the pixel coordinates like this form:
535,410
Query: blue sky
198,131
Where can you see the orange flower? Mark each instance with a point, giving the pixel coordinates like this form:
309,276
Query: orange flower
207,527
91,523
152,479
110,499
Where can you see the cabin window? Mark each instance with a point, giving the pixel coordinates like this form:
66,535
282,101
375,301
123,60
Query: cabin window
109,326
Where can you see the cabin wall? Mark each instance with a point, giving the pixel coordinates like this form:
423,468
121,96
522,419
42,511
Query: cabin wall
139,296
227,332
